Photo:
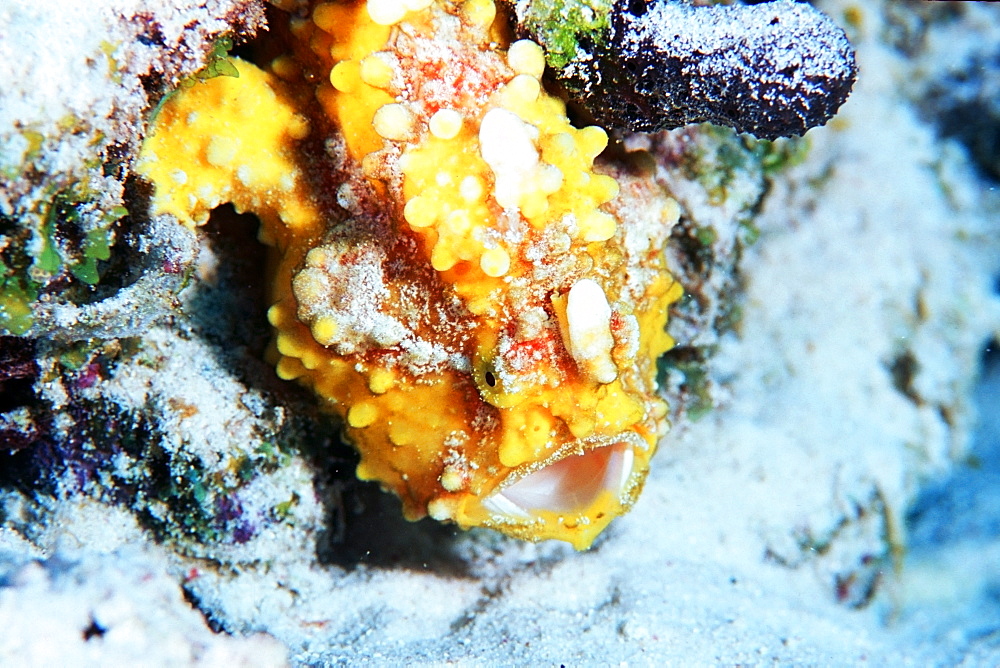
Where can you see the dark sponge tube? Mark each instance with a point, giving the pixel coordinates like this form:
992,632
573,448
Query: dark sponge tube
772,70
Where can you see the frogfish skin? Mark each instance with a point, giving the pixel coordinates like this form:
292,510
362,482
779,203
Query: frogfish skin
455,278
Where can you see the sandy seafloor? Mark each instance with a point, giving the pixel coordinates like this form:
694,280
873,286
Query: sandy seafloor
825,512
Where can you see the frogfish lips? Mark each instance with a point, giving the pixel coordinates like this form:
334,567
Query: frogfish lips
572,496
570,485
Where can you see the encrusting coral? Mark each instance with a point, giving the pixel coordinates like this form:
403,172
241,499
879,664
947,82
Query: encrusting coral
455,278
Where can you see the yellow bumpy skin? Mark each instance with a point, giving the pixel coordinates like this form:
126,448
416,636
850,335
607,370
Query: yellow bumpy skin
482,307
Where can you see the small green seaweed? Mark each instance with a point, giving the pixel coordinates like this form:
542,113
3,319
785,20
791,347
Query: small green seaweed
179,506
94,246
560,26
47,260
35,140
114,69
283,510
749,232
721,156
39,248
716,160
271,456
76,355
706,235
695,386
780,154
246,469
217,64
16,297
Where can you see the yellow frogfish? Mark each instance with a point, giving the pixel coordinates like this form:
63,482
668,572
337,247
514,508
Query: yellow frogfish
453,277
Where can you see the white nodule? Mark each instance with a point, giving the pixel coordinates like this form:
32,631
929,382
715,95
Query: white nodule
588,324
507,146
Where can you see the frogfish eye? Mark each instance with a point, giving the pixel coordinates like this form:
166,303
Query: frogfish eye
497,387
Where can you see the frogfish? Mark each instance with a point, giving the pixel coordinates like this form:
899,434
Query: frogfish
453,275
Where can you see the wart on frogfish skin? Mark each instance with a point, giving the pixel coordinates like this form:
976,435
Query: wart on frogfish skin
457,280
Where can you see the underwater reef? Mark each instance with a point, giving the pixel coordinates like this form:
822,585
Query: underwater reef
261,263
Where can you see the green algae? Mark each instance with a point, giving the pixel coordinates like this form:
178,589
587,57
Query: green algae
42,252
16,297
217,64
114,68
563,27
721,155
